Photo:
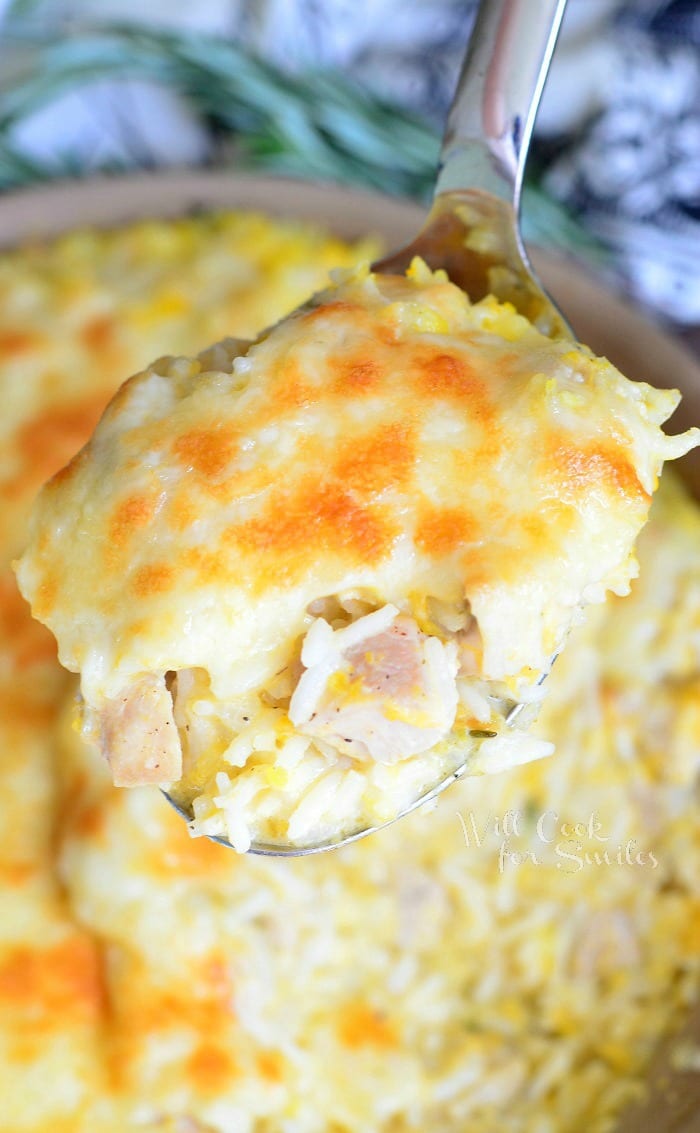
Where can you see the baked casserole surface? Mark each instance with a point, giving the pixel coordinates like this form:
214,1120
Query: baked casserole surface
507,960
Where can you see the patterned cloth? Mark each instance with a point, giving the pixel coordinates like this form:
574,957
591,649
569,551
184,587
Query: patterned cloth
630,166
617,138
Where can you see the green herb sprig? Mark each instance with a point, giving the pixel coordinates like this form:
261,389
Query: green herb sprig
316,125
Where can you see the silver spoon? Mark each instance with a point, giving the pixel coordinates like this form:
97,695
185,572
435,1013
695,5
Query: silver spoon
472,229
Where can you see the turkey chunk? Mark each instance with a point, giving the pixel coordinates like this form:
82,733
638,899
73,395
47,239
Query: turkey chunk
377,689
137,734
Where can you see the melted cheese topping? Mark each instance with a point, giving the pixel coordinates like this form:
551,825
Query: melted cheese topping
389,439
155,982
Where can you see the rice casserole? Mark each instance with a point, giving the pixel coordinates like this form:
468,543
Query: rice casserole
505,961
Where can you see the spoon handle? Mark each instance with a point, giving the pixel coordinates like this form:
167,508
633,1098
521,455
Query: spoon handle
490,122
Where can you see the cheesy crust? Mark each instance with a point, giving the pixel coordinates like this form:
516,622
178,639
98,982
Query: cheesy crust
392,445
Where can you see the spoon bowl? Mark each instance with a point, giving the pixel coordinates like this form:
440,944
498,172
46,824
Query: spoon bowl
474,236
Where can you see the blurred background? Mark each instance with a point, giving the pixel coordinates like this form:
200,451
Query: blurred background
356,91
